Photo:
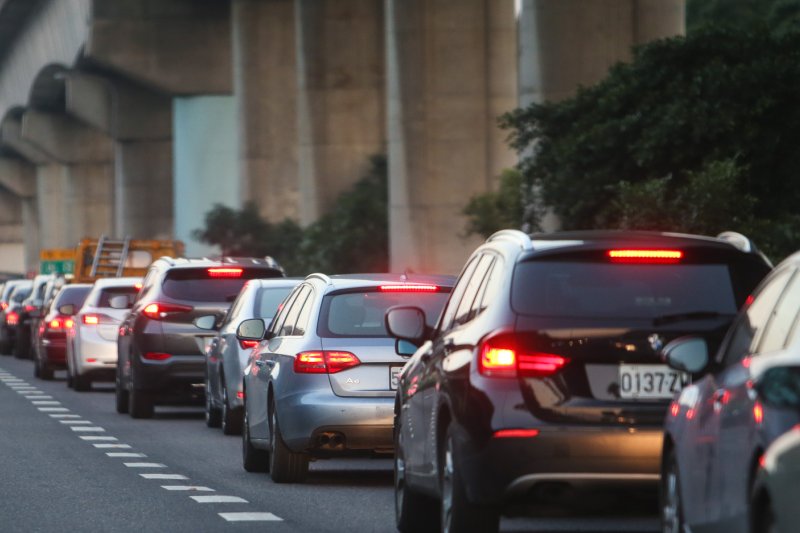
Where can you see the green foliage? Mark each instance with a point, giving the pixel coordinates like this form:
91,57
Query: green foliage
780,16
716,113
493,211
353,237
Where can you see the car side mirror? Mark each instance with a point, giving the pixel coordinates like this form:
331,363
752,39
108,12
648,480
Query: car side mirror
406,323
119,301
780,387
67,309
208,322
687,354
251,330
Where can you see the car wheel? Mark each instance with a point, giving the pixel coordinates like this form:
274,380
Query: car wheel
36,372
213,416
70,379
231,419
140,404
5,347
45,372
81,383
20,349
253,459
413,511
121,398
285,465
671,505
457,513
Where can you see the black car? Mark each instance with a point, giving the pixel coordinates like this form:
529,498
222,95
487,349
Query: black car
30,312
161,352
543,376
12,316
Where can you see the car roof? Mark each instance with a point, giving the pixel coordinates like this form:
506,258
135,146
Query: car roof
354,281
273,282
200,262
117,282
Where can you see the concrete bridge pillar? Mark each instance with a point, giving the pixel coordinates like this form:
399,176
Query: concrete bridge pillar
265,86
341,100
451,72
19,227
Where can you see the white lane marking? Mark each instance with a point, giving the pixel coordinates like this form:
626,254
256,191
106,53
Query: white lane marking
250,517
75,422
29,392
124,454
65,416
46,402
163,476
22,387
53,409
97,437
145,465
187,487
87,428
117,446
218,499
38,397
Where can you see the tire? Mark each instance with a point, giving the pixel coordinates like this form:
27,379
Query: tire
414,512
36,372
457,513
213,415
761,513
45,372
670,503
140,403
285,466
81,383
253,459
70,378
21,348
231,420
121,397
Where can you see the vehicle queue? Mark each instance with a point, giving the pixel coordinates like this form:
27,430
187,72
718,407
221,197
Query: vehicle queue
554,367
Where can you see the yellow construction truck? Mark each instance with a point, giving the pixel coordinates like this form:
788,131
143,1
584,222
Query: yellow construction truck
107,258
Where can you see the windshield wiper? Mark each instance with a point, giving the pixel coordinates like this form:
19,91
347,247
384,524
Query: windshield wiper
693,315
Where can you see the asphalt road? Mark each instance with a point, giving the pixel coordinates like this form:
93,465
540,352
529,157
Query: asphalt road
69,462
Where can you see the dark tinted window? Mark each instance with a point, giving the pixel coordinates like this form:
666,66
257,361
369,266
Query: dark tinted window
20,294
72,295
195,284
268,300
360,314
107,294
602,290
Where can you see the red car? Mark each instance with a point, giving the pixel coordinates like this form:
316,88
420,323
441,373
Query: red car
50,346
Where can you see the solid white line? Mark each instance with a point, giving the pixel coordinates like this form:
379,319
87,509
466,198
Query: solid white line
87,428
46,402
145,465
250,517
53,409
117,446
187,487
75,422
97,437
124,454
218,499
65,416
163,476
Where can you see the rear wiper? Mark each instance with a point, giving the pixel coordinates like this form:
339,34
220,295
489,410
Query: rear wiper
693,315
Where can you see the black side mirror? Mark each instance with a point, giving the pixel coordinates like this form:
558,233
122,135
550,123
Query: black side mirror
67,309
407,323
687,354
207,322
251,330
780,387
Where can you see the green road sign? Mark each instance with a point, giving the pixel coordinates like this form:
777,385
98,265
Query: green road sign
63,266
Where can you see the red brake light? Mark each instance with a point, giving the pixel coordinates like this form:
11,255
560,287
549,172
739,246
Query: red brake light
501,356
59,323
515,433
3,306
324,362
246,345
498,361
12,318
91,320
225,272
758,413
645,256
157,311
156,356
29,308
409,287
138,286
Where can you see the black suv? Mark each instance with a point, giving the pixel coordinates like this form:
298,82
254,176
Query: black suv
161,352
543,376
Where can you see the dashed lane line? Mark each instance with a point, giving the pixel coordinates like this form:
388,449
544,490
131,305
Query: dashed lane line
218,498
163,476
96,429
75,422
250,517
98,437
125,454
57,415
38,396
46,402
187,487
53,409
145,465
106,445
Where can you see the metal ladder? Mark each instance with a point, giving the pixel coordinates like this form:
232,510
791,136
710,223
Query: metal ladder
110,257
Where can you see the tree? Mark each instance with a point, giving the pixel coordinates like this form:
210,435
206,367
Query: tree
780,16
493,211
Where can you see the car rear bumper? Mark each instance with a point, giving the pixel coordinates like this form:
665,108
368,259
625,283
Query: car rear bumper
181,377
95,357
54,352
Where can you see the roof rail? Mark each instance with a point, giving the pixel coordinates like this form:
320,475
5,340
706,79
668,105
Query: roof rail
515,235
737,240
319,275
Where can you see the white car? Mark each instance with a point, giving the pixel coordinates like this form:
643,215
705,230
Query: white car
92,339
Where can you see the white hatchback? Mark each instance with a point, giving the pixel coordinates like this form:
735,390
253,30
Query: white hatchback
92,338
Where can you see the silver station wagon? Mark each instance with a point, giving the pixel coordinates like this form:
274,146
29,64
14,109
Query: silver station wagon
322,383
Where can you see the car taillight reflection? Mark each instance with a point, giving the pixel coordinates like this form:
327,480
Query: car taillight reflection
247,345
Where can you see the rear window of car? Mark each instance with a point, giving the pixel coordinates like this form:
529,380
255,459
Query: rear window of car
361,314
20,294
197,285
604,290
71,295
106,294
268,300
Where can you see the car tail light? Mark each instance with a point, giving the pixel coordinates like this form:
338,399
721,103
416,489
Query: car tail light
247,345
515,433
12,318
158,311
156,356
138,286
324,362
29,308
240,395
3,306
502,356
225,272
645,256
409,287
59,323
95,319
758,413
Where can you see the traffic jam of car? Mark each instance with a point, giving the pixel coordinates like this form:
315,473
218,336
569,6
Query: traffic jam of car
554,368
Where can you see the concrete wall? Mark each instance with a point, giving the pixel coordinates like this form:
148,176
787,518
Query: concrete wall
206,163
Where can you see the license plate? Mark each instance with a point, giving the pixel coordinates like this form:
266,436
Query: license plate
650,381
394,376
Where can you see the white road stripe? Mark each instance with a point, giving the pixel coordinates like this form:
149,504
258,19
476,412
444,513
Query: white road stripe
117,446
87,428
163,476
97,437
22,387
218,499
250,517
187,487
75,421
38,396
46,402
53,409
65,416
125,454
29,392
145,465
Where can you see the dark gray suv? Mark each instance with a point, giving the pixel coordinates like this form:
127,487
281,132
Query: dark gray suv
160,350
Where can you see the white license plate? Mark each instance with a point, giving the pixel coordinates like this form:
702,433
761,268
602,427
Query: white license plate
650,381
394,376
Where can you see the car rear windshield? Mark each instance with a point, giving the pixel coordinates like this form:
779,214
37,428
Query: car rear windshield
71,295
197,284
21,294
602,290
106,294
361,314
268,300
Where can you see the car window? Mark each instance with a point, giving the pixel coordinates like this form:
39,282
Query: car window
200,285
72,295
490,288
283,310
455,298
104,300
268,300
782,318
288,327
302,320
463,313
